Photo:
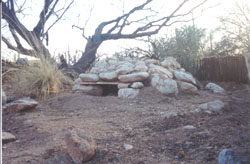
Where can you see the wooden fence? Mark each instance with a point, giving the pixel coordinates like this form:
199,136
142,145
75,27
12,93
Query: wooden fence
227,69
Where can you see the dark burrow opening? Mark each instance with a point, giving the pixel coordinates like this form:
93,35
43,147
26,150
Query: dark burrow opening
110,90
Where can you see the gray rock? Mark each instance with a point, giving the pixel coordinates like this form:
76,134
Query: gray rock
137,85
170,63
108,76
88,89
7,137
164,86
4,98
215,88
185,77
128,146
80,146
187,88
152,61
78,81
133,77
227,156
124,70
213,106
128,93
141,68
21,105
87,77
160,70
123,85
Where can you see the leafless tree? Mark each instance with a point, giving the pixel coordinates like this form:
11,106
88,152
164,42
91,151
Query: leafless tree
236,28
115,29
35,37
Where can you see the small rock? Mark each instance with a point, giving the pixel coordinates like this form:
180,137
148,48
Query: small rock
7,137
213,106
28,123
189,127
227,156
4,98
21,105
169,115
137,85
128,93
127,147
80,146
123,85
215,88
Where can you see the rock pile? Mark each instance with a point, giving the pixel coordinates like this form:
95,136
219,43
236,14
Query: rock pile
131,75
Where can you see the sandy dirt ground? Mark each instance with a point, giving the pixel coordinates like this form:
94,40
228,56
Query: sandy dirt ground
141,122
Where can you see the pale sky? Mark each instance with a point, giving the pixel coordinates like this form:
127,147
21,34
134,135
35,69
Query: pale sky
62,36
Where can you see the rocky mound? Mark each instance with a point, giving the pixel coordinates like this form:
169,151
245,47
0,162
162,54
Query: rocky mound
131,75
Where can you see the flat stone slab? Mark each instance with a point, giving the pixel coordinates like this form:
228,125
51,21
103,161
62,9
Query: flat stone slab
7,137
21,105
100,83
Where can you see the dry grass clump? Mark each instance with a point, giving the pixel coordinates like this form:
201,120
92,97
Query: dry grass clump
41,78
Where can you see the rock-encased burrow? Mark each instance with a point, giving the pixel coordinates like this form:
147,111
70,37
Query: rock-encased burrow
129,76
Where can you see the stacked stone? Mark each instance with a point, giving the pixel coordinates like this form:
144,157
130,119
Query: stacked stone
167,77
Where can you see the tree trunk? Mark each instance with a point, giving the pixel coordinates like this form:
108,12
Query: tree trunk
88,57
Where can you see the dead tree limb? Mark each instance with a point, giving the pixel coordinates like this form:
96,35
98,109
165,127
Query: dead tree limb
35,37
117,28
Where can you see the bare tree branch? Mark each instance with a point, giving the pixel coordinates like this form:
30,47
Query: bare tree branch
59,17
117,26
19,49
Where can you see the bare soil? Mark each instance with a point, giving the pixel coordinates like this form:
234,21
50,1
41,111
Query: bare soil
140,122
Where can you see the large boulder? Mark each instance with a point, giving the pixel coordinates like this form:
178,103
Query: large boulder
21,105
164,86
80,146
187,88
133,77
128,93
185,76
88,89
215,88
4,98
109,76
170,63
86,77
160,70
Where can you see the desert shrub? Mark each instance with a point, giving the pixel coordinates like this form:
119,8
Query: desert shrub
41,78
